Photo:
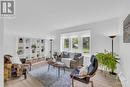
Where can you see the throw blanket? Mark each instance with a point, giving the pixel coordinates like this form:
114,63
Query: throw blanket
66,61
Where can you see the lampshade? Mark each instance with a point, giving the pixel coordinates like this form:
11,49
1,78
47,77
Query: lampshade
113,36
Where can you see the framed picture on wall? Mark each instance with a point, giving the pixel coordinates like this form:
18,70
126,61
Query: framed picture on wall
126,30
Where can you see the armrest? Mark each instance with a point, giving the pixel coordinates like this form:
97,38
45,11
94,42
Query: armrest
79,76
73,61
79,67
91,75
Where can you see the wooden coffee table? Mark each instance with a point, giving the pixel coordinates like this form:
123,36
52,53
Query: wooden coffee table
58,65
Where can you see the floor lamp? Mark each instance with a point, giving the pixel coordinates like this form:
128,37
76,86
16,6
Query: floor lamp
51,46
112,37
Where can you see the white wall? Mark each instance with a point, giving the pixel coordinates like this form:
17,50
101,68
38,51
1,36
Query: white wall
124,51
9,44
99,35
124,59
1,53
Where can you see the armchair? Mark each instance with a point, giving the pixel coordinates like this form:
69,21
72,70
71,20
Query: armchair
72,60
11,69
92,68
77,61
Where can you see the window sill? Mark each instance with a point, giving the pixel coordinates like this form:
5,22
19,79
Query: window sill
88,55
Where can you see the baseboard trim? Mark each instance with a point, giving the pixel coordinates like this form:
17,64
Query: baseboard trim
123,79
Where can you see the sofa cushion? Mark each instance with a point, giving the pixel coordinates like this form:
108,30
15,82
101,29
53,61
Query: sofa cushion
77,55
83,71
71,55
65,55
77,58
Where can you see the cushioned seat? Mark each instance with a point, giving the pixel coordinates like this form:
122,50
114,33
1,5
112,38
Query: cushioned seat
91,72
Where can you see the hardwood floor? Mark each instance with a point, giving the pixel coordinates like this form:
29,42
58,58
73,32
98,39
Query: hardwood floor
29,82
99,81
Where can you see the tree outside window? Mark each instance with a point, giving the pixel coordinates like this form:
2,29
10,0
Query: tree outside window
66,43
86,45
75,43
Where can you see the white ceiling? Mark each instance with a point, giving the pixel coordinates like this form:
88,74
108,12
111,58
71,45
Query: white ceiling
43,16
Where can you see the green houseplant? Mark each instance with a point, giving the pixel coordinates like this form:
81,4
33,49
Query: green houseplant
33,46
108,60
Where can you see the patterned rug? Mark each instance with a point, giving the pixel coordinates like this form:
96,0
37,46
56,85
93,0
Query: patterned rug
50,78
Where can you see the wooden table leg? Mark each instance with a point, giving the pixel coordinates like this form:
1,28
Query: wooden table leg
58,72
48,67
30,66
64,69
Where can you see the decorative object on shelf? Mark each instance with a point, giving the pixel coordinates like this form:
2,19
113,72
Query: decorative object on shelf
108,60
112,37
42,50
27,47
38,41
33,46
126,30
20,40
33,51
20,52
20,47
27,40
37,55
30,47
42,41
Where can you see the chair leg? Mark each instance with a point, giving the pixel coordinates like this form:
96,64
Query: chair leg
91,83
72,82
25,74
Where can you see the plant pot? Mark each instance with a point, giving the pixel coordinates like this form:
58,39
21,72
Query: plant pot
111,75
23,61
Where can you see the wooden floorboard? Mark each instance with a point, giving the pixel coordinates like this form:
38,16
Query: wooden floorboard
99,81
21,82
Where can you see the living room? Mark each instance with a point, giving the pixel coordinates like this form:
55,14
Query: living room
61,29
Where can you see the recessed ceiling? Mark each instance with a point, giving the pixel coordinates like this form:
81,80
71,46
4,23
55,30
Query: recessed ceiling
43,16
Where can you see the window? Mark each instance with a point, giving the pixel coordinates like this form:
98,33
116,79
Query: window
86,45
75,43
66,43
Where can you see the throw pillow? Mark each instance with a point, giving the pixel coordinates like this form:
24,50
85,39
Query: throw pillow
83,71
71,55
65,55
16,60
77,55
76,58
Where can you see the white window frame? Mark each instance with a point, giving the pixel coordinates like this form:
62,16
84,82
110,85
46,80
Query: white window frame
89,45
80,36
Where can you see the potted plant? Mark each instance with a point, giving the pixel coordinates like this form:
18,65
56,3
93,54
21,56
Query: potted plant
19,52
108,60
33,46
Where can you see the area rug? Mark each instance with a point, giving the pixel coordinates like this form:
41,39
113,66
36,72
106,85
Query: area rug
50,78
